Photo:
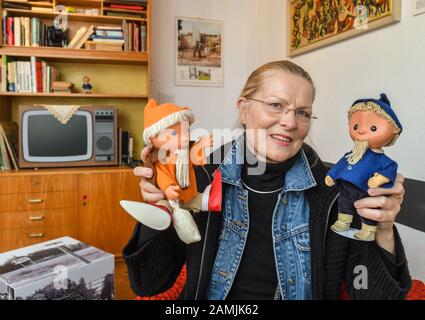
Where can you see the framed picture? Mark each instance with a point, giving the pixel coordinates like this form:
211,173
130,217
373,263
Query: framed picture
312,24
199,52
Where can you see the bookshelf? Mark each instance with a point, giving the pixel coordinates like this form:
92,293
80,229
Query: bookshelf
120,78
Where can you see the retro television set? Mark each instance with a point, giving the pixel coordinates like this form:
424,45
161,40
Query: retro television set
87,139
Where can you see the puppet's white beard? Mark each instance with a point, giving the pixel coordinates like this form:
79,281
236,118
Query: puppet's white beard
359,149
182,168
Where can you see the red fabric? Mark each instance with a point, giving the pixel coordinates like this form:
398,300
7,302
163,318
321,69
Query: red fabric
174,291
214,201
416,293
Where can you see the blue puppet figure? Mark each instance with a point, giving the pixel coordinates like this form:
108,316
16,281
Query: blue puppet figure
372,125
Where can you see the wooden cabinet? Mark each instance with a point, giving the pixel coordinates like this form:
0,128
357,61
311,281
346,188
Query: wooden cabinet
41,205
102,221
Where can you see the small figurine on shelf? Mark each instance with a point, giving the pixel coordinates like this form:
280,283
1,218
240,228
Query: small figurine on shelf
172,160
86,85
372,126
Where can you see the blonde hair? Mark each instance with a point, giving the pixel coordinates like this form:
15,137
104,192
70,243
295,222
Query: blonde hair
259,76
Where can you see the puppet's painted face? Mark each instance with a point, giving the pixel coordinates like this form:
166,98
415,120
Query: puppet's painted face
174,138
368,126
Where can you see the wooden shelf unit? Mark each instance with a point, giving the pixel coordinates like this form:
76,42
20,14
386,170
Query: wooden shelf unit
78,202
76,16
99,56
75,21
75,95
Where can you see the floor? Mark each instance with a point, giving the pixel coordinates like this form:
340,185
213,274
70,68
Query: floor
122,286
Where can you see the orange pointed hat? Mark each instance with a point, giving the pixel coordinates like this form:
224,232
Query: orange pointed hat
160,117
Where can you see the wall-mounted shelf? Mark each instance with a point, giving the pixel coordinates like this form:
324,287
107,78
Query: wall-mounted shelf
53,53
76,16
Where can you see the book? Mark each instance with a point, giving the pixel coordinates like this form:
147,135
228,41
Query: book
84,38
124,14
4,29
62,85
5,158
12,134
119,41
108,28
143,40
9,143
107,46
33,75
42,9
13,5
35,32
10,31
4,73
11,76
130,150
127,7
108,33
78,35
17,27
27,41
124,146
119,146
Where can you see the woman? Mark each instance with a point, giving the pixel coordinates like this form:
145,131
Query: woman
272,238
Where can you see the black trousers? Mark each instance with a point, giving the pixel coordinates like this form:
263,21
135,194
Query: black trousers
349,194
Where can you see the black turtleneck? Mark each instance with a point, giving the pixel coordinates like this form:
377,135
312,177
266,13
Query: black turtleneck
256,277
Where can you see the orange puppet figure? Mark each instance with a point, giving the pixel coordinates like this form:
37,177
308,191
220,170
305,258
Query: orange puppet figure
173,159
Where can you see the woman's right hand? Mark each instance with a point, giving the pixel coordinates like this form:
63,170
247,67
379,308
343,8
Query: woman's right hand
150,192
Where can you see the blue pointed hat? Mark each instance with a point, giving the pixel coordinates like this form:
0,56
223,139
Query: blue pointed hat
384,103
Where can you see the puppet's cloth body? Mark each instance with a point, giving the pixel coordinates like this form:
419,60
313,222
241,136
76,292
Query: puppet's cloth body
358,174
352,179
166,176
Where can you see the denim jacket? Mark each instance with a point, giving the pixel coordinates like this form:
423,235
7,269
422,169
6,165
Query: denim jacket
291,238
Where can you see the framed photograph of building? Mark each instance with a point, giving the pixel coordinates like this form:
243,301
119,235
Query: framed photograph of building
199,52
312,24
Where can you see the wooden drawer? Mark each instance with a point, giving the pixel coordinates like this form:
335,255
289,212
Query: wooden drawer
18,238
37,183
36,218
37,201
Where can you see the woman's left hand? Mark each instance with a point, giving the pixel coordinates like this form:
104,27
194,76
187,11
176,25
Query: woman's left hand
383,206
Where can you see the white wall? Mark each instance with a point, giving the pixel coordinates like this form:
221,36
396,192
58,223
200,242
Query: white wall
214,107
391,60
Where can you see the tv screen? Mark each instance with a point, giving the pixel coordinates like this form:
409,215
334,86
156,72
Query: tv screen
45,139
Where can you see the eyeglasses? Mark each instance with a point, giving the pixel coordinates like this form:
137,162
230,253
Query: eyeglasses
302,115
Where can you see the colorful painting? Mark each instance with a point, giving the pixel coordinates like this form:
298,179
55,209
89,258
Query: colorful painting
316,23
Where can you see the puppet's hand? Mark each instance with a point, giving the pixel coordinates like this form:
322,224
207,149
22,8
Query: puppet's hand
377,180
383,206
150,192
329,181
172,192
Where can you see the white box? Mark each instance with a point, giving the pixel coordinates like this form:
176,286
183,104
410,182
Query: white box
60,269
